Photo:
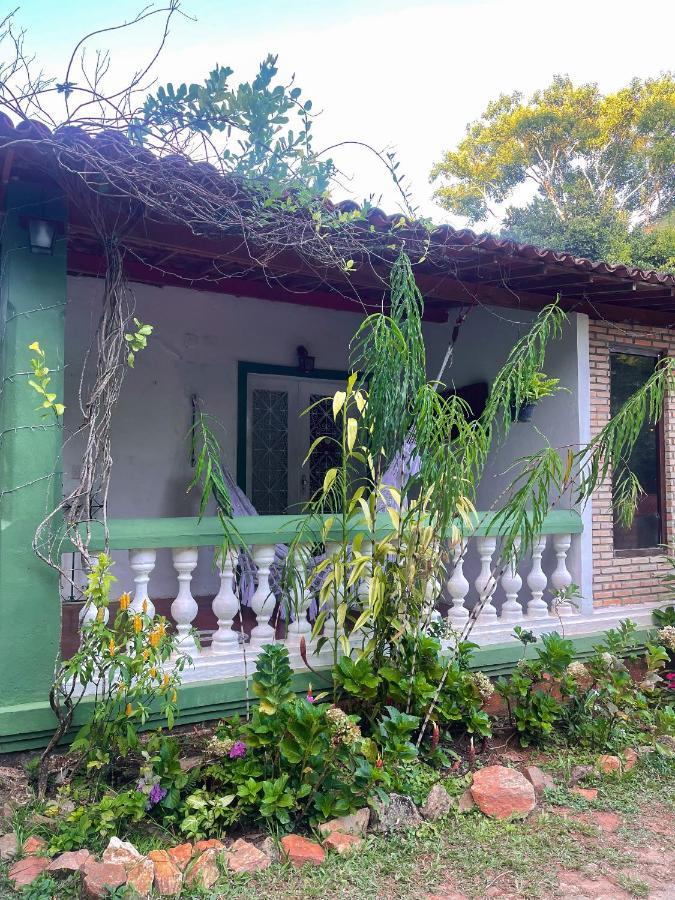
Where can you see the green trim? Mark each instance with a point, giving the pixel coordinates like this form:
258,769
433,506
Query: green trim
244,369
148,534
29,726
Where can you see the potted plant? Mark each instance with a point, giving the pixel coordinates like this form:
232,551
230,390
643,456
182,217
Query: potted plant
538,386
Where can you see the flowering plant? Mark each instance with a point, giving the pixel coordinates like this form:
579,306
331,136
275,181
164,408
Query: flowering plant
130,667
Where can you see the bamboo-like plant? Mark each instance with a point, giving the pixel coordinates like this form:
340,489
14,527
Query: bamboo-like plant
386,546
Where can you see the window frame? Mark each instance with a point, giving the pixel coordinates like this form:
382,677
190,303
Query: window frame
630,552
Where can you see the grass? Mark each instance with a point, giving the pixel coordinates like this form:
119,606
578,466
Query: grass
466,852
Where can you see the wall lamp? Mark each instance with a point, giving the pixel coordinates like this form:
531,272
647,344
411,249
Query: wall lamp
42,236
305,361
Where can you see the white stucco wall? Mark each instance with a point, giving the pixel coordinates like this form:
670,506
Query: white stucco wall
199,339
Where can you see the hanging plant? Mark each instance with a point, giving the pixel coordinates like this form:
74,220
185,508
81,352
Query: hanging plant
536,388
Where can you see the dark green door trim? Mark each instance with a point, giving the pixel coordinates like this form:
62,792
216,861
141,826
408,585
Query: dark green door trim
247,368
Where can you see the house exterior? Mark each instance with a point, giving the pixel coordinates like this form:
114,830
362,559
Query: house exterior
226,338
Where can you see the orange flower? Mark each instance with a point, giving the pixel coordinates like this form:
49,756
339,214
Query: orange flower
174,697
153,672
145,606
161,628
111,647
125,600
138,624
154,639
129,710
165,680
146,655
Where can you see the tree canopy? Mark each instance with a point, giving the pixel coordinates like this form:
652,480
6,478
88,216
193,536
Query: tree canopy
601,168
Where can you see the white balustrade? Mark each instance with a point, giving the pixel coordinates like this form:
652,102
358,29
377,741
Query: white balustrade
262,601
225,607
184,608
486,582
512,611
537,581
141,563
458,587
510,591
561,577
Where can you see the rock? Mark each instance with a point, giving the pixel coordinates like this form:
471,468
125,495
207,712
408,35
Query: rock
9,846
396,815
121,853
586,793
246,857
210,844
630,758
34,846
344,844
355,823
100,878
69,862
141,876
578,773
25,871
204,871
539,780
301,851
502,793
466,802
608,765
270,848
181,855
437,805
168,877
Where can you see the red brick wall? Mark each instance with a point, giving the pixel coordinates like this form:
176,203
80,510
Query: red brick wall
621,579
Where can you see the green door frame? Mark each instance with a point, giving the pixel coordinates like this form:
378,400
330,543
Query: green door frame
244,369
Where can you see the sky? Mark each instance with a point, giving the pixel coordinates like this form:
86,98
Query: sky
407,76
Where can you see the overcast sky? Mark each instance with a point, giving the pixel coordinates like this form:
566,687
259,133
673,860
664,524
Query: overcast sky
406,75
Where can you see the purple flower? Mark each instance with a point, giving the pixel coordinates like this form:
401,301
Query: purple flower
310,697
237,750
156,795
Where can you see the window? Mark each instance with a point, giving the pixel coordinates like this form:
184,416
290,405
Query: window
628,372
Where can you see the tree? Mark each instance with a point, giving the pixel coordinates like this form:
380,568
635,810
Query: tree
600,166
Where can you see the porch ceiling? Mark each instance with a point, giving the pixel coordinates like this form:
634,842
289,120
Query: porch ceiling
467,269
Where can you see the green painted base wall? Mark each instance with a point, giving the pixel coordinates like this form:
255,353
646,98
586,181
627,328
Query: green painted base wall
29,726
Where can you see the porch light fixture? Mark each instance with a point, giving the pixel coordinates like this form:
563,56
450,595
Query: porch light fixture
305,361
42,234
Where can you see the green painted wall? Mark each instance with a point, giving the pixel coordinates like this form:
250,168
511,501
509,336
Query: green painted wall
32,307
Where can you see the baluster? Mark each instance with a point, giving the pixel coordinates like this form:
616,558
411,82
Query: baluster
561,577
184,608
335,599
141,563
88,612
262,601
302,599
537,581
357,639
225,606
458,587
486,583
512,611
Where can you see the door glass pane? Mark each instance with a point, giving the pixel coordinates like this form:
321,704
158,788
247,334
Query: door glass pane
629,371
269,451
327,455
